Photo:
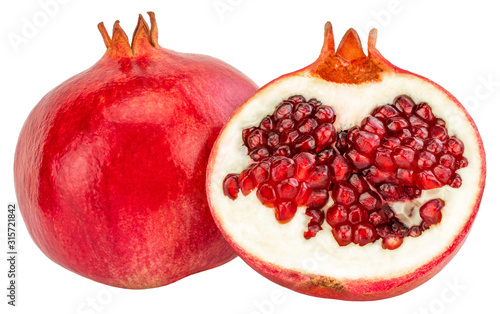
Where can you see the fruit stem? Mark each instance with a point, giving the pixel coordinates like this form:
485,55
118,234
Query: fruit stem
142,40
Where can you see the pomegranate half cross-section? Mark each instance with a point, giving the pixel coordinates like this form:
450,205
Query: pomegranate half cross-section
350,179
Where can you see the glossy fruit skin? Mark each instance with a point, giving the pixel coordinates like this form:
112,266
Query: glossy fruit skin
110,165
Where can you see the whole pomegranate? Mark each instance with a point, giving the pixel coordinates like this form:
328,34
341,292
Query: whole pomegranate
110,165
350,179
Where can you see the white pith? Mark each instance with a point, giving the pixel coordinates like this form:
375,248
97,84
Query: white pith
254,228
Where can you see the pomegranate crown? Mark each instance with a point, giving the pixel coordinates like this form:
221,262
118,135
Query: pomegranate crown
143,39
349,64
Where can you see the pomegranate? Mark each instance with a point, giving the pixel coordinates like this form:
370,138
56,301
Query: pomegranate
350,179
110,165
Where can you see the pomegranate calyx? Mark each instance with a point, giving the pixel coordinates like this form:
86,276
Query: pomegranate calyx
349,64
142,41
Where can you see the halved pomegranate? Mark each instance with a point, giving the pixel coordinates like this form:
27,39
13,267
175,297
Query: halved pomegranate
351,163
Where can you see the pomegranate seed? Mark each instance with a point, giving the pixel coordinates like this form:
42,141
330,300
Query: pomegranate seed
325,156
282,168
245,181
266,195
285,124
442,173
420,132
403,134
390,192
317,215
273,139
256,139
383,231
447,160
312,230
320,177
261,172
426,160
305,165
314,102
285,211
287,189
390,142
230,186
385,112
440,122
377,218
340,168
307,126
392,242
415,231
415,121
245,133
358,160
403,156
462,163
376,176
317,198
396,124
404,104
365,142
358,183
341,143
336,214
303,110
424,111
283,111
344,193
399,229
405,176
363,234
456,181
357,214
373,125
426,180
370,200
350,134
430,212
289,136
342,234
305,143
454,146
267,123
414,143
259,153
325,136
296,99
282,150
324,114
439,132
303,195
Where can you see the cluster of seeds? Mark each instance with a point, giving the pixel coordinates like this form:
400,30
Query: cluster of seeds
300,160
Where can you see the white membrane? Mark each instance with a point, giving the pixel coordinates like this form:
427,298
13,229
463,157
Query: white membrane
254,227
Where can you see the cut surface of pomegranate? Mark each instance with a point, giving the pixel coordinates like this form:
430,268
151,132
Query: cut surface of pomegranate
358,163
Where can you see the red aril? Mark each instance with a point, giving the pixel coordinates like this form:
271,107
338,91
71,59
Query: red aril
110,165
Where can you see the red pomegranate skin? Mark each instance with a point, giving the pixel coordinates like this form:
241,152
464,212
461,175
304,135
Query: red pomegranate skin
110,165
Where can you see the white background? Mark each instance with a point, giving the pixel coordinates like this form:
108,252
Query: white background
454,43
